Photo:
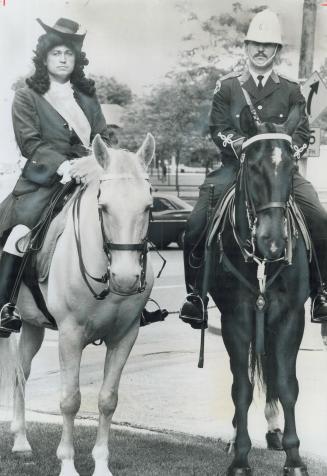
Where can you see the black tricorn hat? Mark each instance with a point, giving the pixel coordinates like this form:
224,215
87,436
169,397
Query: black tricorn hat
65,28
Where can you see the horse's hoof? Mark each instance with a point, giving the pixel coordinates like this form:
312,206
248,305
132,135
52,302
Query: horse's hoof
274,440
233,471
295,471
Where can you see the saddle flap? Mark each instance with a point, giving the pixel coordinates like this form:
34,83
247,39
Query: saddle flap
220,211
300,221
45,254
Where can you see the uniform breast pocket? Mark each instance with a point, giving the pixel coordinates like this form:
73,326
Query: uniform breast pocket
275,112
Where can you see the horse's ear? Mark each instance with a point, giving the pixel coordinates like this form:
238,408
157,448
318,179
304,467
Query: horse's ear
147,150
247,123
100,151
293,120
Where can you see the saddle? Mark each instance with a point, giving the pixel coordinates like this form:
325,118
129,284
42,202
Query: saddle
41,243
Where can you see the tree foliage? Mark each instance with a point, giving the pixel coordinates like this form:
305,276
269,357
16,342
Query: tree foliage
175,112
110,91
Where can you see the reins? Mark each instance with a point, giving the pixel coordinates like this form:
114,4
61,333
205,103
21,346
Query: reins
76,222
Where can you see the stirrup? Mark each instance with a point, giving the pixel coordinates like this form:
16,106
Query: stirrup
317,319
10,323
149,317
194,302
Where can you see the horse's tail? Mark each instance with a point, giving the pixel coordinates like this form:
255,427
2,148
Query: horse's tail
263,371
11,373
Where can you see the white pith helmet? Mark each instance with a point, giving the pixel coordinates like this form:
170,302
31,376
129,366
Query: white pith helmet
265,28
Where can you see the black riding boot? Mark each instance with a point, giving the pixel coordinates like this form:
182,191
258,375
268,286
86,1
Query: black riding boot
319,283
10,320
149,317
193,310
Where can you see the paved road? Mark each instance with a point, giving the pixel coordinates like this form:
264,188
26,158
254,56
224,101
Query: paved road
162,387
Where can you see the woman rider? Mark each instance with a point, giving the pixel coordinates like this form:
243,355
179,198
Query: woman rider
55,118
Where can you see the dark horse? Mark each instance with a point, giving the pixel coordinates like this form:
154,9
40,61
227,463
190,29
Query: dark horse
260,282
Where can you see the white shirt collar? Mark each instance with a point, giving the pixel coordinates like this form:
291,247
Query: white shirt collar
265,76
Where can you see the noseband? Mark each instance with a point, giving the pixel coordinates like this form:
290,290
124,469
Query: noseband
251,210
109,246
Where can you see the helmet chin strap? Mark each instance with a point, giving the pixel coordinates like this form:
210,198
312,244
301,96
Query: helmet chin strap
267,62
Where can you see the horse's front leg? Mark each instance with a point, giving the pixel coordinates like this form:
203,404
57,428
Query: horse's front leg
116,358
274,434
236,332
289,338
70,353
29,344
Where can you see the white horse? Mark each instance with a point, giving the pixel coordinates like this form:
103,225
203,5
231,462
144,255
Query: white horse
119,194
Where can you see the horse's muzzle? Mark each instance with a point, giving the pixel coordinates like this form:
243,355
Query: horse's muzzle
124,283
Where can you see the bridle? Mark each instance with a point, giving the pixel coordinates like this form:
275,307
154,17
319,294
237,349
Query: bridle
249,255
108,245
252,211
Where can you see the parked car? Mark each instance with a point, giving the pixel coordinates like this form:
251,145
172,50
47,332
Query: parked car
170,215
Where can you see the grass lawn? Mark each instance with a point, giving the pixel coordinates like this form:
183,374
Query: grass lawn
134,454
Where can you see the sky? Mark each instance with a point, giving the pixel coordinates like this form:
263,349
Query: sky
136,41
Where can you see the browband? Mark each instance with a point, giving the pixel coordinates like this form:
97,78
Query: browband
105,177
268,135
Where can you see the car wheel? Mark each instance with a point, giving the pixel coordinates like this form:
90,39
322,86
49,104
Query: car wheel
180,239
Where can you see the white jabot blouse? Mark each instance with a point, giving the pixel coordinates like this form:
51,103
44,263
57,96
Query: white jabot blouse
61,98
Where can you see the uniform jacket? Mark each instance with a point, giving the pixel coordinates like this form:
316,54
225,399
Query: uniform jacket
45,140
273,104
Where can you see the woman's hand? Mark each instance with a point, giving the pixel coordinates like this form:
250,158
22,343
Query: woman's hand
83,170
64,171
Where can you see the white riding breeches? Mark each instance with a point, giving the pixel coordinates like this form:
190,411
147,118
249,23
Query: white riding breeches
18,232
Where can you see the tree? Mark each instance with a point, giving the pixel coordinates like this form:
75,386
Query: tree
110,91
175,112
19,83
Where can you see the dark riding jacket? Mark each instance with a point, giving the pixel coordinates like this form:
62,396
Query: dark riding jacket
46,141
272,104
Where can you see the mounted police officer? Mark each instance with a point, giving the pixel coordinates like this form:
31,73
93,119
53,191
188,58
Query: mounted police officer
271,96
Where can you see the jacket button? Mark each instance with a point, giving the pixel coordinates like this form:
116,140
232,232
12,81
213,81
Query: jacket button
281,115
260,107
66,125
